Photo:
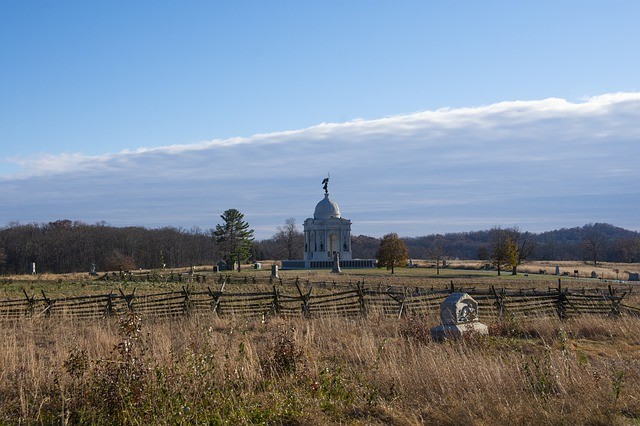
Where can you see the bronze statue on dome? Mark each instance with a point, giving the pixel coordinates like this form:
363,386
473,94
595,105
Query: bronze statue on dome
325,185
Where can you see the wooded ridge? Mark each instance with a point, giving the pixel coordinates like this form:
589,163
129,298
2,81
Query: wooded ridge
67,246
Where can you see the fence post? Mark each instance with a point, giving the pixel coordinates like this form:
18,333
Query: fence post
128,298
215,298
186,308
402,304
30,303
615,304
499,303
399,301
562,301
108,310
276,301
363,309
48,303
305,299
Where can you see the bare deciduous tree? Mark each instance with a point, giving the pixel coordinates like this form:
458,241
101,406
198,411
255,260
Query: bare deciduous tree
593,242
3,257
503,249
627,249
117,261
524,246
289,239
436,252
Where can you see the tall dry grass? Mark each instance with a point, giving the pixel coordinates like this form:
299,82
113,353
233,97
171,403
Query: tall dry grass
373,370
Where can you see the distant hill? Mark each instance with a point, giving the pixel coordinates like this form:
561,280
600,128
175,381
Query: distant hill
66,246
614,244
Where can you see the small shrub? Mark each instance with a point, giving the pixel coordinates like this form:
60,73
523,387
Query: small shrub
617,381
77,364
415,328
283,353
508,326
540,375
332,390
118,383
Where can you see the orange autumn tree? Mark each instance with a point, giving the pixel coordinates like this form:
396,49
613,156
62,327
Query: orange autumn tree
393,252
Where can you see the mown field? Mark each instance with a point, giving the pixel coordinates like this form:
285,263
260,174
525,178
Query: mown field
462,273
269,370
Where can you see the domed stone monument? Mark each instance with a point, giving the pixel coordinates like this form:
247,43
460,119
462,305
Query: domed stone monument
327,237
327,232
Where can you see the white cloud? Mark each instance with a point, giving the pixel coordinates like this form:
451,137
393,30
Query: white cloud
432,171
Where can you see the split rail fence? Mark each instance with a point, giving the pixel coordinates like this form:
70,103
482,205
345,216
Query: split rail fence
301,300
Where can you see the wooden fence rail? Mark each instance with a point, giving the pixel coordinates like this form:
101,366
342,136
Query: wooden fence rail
353,300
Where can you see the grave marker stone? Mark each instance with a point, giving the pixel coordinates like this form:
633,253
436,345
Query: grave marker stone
458,316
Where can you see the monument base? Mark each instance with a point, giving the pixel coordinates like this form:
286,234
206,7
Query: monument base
443,332
327,264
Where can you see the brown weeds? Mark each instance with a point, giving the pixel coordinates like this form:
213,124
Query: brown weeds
372,370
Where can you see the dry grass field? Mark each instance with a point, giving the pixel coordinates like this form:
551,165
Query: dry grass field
204,370
269,370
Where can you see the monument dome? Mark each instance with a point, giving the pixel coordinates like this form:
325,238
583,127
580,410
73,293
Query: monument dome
326,209
327,239
327,233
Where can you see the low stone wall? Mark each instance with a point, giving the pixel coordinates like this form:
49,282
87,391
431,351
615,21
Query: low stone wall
327,264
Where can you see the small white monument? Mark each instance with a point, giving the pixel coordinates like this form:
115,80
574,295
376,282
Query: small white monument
458,316
336,263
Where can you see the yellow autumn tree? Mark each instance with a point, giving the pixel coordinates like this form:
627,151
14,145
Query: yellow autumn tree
393,252
504,251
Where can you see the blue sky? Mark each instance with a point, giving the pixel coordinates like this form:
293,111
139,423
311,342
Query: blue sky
160,113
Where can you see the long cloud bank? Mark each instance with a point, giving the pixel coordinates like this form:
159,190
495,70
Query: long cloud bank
536,164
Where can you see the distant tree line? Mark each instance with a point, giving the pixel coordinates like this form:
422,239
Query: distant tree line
69,246
599,242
